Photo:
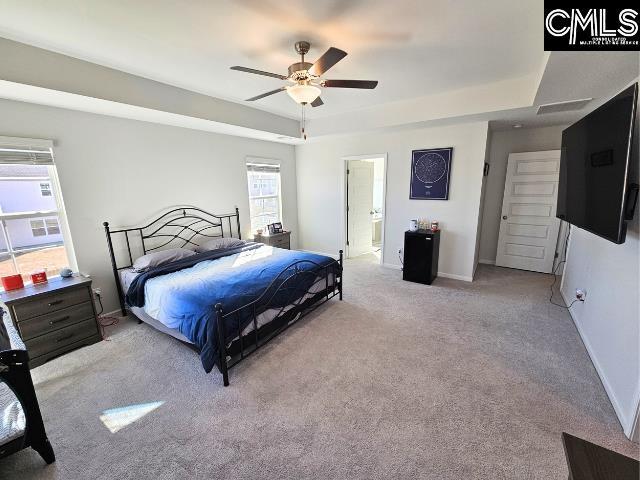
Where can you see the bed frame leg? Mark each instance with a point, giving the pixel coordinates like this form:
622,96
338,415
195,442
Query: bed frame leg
222,349
116,277
341,270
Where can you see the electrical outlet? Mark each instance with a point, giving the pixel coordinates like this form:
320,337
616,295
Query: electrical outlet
581,294
97,291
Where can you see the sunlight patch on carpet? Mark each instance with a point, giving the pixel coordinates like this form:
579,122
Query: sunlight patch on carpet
116,419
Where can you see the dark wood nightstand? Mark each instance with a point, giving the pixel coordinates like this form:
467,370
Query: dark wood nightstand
280,240
53,318
588,461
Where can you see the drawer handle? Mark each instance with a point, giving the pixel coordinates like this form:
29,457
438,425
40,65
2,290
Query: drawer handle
55,302
58,320
66,337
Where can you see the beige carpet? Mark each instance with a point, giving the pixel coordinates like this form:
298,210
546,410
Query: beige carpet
404,381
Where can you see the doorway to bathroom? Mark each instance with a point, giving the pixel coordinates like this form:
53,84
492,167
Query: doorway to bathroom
365,185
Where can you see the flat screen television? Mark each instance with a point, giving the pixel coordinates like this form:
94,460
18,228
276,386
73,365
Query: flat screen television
596,191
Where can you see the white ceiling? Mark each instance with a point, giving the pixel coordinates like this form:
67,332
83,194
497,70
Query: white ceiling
576,75
414,48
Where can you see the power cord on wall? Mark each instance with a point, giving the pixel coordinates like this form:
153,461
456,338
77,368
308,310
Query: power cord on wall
104,321
555,271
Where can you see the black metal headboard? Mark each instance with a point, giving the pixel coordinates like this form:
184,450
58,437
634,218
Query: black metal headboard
178,227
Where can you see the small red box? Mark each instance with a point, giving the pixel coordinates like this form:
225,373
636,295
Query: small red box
12,282
39,277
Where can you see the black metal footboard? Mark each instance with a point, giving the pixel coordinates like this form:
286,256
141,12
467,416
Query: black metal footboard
281,305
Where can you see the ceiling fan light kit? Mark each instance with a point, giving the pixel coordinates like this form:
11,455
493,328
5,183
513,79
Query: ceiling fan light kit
305,78
303,94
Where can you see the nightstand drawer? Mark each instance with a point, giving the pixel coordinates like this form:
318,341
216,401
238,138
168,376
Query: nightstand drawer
50,322
58,339
37,361
51,303
281,242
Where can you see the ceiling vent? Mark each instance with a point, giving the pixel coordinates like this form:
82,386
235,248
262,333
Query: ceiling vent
562,106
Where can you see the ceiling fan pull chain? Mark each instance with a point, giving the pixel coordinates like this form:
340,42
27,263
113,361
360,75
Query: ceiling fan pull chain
304,120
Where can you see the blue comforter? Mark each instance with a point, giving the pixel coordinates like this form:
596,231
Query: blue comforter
189,289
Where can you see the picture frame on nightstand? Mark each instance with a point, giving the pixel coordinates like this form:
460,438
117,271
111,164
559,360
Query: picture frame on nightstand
274,228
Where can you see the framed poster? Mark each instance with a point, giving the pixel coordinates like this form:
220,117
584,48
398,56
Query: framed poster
430,174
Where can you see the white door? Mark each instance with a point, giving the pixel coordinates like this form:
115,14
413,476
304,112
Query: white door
359,207
528,225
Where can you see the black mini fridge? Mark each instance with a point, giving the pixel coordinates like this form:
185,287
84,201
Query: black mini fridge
421,256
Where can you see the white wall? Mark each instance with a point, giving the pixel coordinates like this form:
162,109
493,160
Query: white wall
124,171
320,186
609,319
502,144
378,183
483,194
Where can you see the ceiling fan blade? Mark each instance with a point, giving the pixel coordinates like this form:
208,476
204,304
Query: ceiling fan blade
368,84
326,61
258,72
258,97
317,102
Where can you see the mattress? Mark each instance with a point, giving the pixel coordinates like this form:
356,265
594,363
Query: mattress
152,312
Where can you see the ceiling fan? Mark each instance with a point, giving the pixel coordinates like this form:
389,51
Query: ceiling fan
305,79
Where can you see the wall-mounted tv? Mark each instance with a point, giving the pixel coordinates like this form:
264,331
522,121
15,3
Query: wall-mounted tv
596,191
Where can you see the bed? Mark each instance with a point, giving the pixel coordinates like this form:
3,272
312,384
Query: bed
224,303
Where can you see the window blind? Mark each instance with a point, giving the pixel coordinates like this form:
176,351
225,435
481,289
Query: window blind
29,151
263,167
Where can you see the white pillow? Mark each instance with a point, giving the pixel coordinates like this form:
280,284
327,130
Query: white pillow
219,244
155,259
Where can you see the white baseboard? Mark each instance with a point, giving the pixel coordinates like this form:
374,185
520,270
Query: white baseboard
627,427
487,262
440,274
114,313
453,276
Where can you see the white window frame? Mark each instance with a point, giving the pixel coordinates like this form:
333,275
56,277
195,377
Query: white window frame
270,162
40,215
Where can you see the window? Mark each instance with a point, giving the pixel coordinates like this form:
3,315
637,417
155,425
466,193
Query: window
37,228
32,219
53,227
264,194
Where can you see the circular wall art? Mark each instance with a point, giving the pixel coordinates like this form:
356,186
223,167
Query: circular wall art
430,167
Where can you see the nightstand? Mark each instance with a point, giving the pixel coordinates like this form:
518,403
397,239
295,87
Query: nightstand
53,318
280,240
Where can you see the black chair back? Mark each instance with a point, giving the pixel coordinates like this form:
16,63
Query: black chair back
15,374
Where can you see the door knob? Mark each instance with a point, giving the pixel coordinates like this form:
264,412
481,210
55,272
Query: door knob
504,217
